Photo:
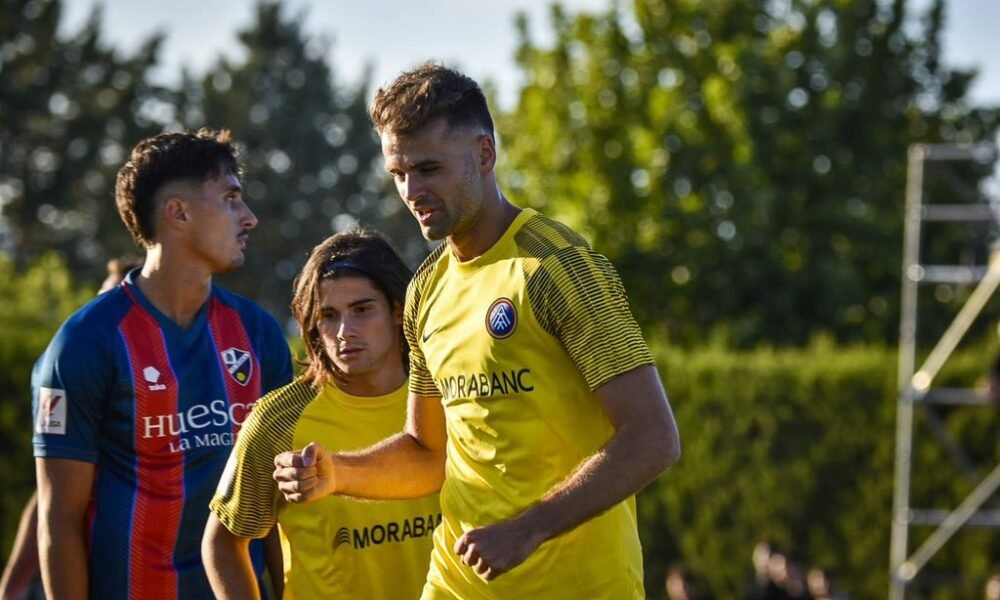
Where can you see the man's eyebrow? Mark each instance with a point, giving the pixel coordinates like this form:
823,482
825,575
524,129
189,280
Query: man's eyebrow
427,162
365,300
358,302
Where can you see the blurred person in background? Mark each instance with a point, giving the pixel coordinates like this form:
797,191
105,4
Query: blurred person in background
992,589
763,586
679,584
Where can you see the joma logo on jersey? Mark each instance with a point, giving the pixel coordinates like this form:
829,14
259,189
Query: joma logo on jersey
391,532
152,376
501,318
51,411
239,364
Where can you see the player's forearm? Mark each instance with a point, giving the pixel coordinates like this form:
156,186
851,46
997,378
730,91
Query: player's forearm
62,553
227,562
22,566
397,468
274,562
630,460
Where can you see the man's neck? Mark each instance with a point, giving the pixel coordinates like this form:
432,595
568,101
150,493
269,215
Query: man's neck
176,289
372,385
497,216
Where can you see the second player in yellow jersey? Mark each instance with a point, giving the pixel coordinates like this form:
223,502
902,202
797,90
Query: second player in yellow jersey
348,303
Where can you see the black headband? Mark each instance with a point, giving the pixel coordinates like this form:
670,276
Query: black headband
343,263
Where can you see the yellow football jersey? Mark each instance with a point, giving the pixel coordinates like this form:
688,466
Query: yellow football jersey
336,547
515,342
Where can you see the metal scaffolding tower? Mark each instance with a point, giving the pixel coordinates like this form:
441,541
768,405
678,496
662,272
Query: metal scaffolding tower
915,384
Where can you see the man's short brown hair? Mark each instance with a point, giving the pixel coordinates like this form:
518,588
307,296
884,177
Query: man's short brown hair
430,91
165,158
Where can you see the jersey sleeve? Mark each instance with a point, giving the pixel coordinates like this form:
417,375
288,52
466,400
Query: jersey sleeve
579,298
421,382
68,386
246,498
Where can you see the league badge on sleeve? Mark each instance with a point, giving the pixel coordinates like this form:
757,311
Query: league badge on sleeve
238,364
51,416
501,318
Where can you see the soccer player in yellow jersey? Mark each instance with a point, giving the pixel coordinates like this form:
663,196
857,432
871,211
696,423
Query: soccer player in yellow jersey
533,399
348,303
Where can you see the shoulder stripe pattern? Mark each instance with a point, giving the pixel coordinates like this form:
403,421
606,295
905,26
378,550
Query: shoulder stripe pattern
247,505
420,379
578,297
237,359
159,497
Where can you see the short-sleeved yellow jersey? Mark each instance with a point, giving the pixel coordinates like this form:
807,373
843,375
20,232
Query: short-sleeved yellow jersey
335,547
515,342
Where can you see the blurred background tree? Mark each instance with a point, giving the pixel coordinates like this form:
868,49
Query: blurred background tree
752,154
71,106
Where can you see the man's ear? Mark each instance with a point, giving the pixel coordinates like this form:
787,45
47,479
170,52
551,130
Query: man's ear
175,211
487,149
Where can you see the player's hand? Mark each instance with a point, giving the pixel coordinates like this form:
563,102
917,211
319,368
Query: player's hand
304,475
495,549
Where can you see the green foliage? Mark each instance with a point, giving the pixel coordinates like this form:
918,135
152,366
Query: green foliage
33,303
70,107
796,447
741,163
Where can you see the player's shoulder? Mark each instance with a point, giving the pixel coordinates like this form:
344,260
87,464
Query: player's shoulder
283,406
429,264
545,238
251,313
97,317
551,251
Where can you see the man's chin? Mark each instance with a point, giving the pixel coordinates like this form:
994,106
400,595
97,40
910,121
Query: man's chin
432,235
234,264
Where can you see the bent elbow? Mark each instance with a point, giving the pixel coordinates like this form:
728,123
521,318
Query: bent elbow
668,448
673,452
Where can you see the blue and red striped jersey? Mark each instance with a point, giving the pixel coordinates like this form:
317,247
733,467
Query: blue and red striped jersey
156,408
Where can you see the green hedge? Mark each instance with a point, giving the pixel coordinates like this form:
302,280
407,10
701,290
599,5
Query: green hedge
797,447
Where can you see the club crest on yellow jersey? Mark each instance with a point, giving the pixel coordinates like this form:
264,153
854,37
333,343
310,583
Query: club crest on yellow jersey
501,318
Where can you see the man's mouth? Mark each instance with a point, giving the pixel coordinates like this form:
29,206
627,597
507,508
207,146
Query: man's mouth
423,214
349,352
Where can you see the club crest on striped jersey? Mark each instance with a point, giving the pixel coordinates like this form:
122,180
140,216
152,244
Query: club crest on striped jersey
501,318
239,365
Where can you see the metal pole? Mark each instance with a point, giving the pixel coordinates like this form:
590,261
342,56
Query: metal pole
909,569
907,351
